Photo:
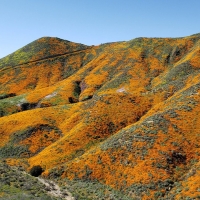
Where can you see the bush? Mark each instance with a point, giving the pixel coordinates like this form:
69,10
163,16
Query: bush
36,170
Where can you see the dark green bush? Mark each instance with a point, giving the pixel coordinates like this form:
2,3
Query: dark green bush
36,170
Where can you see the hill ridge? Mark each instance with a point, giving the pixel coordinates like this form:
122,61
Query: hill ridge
122,115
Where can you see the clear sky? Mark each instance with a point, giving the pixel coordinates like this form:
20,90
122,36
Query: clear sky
93,22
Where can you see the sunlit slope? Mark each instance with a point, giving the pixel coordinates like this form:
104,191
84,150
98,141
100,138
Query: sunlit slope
151,154
125,113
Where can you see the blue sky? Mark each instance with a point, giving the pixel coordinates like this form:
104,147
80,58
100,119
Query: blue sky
93,22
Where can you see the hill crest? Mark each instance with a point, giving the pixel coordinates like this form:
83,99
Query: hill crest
123,115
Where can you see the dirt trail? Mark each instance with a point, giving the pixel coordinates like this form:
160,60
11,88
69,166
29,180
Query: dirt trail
54,189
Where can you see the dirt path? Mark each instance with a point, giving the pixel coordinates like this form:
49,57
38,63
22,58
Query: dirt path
54,189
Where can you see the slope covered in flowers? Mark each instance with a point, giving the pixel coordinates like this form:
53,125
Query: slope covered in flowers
124,114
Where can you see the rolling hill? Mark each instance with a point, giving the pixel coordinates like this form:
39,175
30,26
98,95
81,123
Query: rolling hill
116,121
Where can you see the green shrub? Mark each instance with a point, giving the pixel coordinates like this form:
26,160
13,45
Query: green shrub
36,170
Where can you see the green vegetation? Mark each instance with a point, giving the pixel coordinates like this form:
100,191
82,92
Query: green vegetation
92,190
15,184
11,105
36,170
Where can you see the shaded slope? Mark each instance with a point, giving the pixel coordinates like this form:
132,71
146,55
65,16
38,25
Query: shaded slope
125,114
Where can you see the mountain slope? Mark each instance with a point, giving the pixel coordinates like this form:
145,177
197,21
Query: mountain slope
40,49
124,114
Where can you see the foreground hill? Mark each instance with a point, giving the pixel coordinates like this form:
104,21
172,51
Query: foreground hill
15,184
121,115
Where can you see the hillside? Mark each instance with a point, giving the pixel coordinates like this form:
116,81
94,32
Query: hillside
118,120
15,184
